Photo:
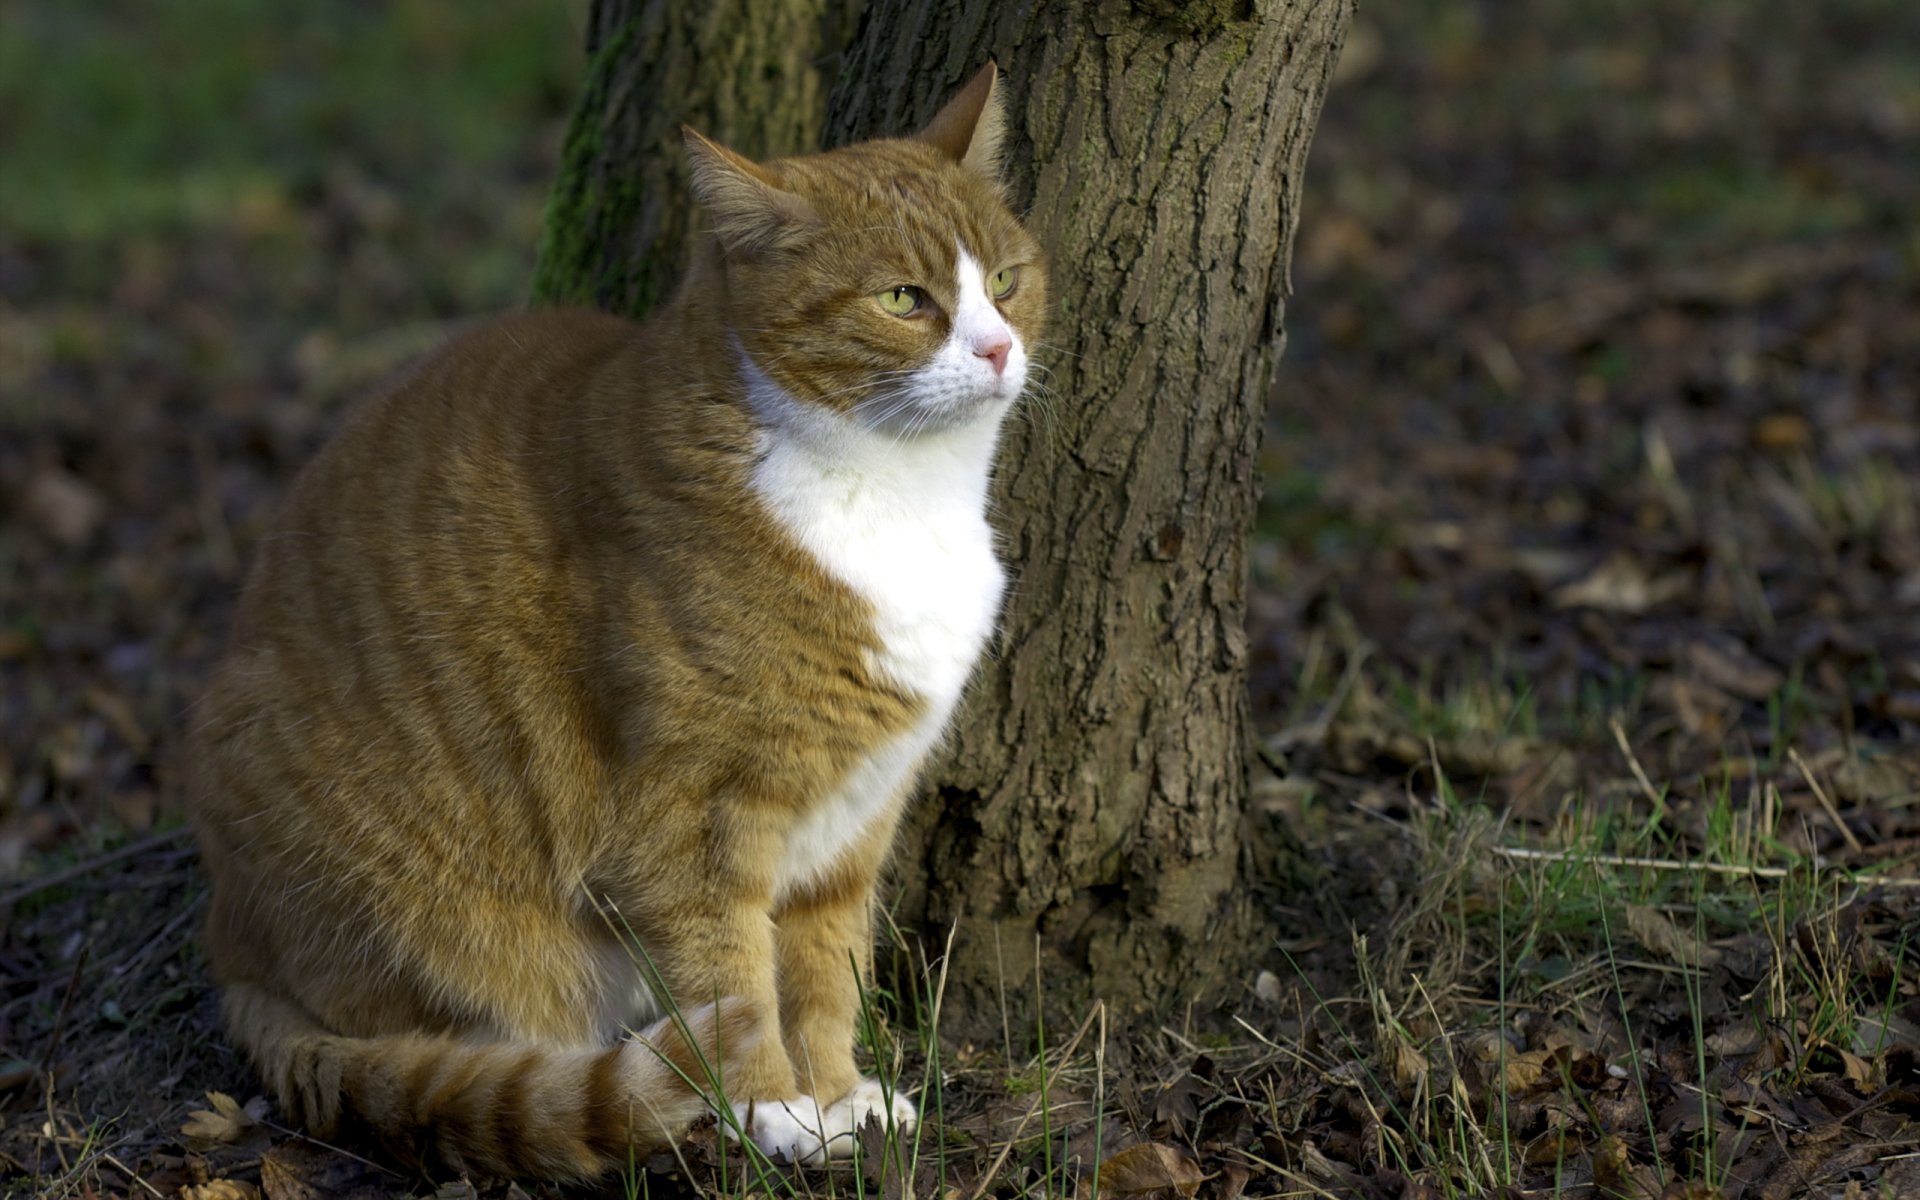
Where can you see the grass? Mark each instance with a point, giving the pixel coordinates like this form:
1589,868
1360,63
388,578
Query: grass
226,131
1471,1062
1526,1006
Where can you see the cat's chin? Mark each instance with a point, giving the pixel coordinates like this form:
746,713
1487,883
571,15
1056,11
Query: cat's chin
933,419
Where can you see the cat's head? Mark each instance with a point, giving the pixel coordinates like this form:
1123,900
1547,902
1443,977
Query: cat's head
886,281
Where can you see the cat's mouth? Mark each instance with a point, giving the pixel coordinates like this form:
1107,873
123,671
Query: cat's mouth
932,410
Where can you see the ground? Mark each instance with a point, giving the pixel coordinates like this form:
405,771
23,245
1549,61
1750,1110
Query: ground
1587,596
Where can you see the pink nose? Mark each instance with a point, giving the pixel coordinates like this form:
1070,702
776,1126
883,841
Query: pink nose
995,353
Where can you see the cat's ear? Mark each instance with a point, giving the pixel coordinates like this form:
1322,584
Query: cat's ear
746,206
969,129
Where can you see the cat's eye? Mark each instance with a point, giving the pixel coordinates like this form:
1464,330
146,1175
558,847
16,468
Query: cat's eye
1003,281
901,301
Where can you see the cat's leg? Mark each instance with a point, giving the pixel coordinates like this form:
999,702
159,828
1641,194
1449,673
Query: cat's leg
705,930
824,957
825,943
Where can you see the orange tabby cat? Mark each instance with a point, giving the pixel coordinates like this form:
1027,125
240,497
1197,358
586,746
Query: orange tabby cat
590,632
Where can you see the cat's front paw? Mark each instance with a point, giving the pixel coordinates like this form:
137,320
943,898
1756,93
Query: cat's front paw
791,1129
869,1098
802,1132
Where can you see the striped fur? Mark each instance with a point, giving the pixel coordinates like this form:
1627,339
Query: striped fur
589,633
490,1108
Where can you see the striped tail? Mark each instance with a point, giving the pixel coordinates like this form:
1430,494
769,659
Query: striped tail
503,1109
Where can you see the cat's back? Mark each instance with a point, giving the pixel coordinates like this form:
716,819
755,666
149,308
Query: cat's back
496,458
445,566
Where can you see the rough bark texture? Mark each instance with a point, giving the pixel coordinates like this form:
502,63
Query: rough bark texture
1093,800
753,75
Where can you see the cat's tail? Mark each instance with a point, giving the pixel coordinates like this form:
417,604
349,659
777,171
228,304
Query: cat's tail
502,1108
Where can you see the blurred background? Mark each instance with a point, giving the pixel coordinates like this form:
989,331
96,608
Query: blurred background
218,222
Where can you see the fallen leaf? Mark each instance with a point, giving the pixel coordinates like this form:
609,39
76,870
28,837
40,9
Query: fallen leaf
1151,1167
1782,431
1618,1175
1745,1038
1233,1181
1409,1065
304,1171
1620,584
220,1189
1651,928
1733,670
67,507
1525,1070
227,1121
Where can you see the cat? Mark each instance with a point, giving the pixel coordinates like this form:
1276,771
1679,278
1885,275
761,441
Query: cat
588,668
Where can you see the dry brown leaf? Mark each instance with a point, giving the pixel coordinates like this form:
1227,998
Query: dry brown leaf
1554,1146
1734,670
1782,431
297,1170
1615,1173
1651,928
1526,1069
1148,1168
1702,709
228,1121
1740,1039
1855,1067
1233,1181
1620,584
67,507
1409,1065
220,1189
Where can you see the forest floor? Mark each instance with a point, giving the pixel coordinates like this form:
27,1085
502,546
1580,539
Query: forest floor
1587,608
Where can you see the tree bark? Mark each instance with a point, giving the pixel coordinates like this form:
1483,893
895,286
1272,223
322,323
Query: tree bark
753,75
1088,820
1092,803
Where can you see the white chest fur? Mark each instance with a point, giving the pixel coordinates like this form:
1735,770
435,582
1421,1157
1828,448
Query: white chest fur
902,522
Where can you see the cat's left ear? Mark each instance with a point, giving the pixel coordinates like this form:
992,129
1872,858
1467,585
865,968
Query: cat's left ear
970,128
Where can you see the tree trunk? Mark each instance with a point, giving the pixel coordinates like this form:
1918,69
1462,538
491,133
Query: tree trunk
1092,802
1093,798
754,75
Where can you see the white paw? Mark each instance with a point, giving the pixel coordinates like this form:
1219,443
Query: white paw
792,1129
800,1131
868,1099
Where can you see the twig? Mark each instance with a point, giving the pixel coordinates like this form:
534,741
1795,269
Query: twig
1669,864
1073,1043
314,1141
1826,802
1316,730
60,1018
1639,772
130,1173
171,927
54,879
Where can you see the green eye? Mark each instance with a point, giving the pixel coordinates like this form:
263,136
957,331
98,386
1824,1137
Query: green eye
900,301
1003,281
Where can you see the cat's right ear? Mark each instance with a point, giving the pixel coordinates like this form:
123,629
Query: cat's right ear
971,126
748,210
